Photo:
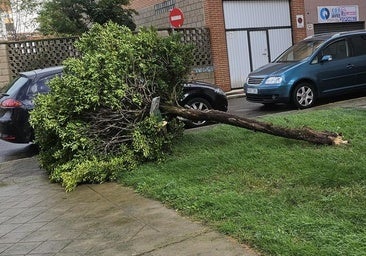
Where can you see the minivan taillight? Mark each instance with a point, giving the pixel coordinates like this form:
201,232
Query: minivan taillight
10,103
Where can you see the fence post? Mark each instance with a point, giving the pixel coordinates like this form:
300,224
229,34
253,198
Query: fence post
4,66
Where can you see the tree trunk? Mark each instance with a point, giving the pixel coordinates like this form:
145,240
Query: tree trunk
306,134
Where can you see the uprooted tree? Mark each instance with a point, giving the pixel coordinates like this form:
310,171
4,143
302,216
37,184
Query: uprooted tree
96,122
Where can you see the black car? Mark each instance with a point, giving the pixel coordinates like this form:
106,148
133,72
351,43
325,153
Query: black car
17,101
203,96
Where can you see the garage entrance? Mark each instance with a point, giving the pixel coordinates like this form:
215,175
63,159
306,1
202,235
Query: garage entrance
338,27
256,33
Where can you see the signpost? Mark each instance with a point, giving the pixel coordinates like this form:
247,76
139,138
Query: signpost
176,17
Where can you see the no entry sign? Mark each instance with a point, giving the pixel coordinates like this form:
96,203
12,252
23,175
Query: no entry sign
176,17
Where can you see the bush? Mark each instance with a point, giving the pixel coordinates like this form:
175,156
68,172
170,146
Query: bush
96,121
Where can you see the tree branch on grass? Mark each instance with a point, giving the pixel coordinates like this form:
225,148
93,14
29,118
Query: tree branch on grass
305,133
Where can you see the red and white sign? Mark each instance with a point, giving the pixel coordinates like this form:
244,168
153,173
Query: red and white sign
176,17
299,21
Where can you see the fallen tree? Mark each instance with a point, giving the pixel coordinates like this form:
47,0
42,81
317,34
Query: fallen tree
305,133
95,123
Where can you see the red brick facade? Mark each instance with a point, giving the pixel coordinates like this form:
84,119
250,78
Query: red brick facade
214,20
297,8
214,17
138,4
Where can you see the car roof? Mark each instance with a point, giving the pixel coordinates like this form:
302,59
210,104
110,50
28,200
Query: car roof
42,72
326,36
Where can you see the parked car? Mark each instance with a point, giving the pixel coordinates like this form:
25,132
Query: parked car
17,101
319,66
202,96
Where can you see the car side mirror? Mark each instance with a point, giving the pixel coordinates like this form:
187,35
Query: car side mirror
327,58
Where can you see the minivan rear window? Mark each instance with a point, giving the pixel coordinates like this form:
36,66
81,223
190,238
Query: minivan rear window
358,45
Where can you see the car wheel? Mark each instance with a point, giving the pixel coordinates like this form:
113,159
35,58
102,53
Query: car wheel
198,104
303,95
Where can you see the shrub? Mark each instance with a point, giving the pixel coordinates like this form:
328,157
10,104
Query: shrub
96,120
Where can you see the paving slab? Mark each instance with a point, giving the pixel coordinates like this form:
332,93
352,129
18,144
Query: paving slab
39,218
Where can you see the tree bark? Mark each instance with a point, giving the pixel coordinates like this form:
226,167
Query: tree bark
305,133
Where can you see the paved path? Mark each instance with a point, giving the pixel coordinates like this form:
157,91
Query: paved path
39,218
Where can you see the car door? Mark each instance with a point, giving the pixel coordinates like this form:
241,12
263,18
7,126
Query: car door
358,51
338,72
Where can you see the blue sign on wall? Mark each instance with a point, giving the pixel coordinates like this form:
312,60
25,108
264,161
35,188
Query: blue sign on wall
344,13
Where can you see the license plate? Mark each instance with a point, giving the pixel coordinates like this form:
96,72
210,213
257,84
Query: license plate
252,90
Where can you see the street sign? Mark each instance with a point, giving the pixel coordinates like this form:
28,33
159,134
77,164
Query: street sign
176,17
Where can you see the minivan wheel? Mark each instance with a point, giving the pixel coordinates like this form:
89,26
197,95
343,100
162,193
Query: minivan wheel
303,96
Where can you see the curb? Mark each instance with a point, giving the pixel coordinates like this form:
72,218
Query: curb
237,93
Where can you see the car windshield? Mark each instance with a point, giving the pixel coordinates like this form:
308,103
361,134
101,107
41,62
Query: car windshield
16,85
299,51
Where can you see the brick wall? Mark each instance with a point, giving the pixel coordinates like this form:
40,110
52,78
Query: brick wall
297,8
208,77
209,13
214,18
194,17
139,4
148,16
311,8
5,75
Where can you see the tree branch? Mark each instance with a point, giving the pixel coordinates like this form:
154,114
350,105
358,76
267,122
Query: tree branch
306,134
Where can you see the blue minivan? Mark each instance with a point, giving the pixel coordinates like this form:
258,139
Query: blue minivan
319,66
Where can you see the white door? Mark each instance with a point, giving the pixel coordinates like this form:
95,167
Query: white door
259,48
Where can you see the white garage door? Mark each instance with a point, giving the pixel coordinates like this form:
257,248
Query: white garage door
256,32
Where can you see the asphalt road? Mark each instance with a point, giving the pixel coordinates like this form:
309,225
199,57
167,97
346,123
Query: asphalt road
241,107
11,151
237,106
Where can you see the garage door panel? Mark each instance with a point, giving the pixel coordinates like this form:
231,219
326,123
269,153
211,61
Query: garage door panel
280,40
251,14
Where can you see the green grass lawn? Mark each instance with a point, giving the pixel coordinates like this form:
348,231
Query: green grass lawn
281,196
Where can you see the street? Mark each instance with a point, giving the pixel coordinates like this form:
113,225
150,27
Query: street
241,107
11,151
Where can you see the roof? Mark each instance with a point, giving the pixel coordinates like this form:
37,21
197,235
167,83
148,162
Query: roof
326,36
42,72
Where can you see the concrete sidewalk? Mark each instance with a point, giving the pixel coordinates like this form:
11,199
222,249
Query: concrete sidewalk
39,218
